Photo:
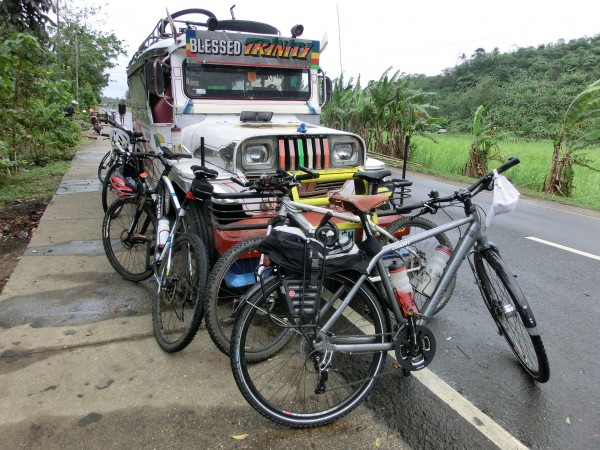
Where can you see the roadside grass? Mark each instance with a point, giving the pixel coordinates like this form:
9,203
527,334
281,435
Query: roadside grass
448,157
32,183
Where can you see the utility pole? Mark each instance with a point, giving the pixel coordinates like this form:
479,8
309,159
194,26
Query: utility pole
339,38
58,40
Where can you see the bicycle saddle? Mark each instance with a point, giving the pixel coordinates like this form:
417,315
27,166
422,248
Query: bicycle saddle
361,203
204,172
373,175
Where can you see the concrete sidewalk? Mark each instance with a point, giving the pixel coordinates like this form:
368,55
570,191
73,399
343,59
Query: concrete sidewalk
79,366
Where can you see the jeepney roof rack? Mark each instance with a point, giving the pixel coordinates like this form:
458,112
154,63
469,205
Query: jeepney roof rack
163,30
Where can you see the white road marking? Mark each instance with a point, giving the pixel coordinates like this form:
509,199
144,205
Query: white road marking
463,407
562,247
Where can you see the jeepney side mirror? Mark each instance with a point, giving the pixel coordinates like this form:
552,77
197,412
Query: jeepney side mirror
155,80
327,90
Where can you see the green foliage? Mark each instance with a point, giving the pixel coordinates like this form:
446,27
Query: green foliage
386,113
86,53
28,16
571,139
447,155
528,90
34,130
34,182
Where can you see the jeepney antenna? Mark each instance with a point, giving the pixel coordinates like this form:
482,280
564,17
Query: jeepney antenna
232,14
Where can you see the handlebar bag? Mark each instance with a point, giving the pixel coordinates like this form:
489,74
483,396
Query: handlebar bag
289,248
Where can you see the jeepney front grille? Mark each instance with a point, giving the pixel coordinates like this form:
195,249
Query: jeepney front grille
308,151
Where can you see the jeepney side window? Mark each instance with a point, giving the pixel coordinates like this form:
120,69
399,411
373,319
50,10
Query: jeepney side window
241,82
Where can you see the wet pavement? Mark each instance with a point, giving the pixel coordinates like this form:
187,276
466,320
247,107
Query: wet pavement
79,366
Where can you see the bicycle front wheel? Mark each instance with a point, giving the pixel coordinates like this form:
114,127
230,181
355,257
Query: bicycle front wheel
417,255
177,309
127,232
230,278
512,313
304,385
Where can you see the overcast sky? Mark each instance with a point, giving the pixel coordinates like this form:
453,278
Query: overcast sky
412,36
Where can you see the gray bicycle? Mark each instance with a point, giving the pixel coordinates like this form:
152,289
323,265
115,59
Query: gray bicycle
332,329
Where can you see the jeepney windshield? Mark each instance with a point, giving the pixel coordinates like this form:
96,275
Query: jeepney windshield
249,83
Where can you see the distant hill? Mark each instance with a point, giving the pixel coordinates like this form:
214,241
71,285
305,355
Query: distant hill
528,89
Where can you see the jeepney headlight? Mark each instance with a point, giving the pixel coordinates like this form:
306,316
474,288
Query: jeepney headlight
344,154
257,156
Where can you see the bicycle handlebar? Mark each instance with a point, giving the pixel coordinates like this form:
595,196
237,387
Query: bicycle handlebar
473,189
282,182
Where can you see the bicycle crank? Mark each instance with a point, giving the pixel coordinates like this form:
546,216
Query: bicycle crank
415,347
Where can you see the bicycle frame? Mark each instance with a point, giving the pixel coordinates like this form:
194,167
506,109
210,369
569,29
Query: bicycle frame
469,239
160,202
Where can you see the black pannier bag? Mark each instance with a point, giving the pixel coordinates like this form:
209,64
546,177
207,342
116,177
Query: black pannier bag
289,248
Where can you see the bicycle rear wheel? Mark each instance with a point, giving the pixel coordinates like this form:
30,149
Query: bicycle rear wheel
302,386
512,313
177,309
105,163
127,232
417,255
107,193
230,278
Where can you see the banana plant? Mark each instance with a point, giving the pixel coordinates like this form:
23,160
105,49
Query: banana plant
571,138
485,141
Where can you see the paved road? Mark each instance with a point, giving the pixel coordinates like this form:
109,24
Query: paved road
79,367
561,284
78,363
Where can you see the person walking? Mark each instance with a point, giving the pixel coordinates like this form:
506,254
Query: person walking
70,109
122,109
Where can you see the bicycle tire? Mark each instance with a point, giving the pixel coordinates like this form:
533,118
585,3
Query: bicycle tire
128,254
511,312
420,252
282,387
107,196
229,279
177,309
104,165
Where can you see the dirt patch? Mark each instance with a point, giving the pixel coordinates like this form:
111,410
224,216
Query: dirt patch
18,220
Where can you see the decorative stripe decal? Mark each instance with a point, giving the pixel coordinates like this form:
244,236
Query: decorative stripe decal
325,153
300,152
281,154
292,153
309,151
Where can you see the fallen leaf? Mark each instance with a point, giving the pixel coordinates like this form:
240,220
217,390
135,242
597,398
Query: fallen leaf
240,437
568,421
378,442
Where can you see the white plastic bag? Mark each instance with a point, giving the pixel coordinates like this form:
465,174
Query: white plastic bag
505,198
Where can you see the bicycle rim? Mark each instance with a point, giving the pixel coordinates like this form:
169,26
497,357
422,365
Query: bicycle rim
505,302
127,251
284,387
177,309
230,278
104,165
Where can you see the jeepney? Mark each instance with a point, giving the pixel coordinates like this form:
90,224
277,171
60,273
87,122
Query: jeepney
244,100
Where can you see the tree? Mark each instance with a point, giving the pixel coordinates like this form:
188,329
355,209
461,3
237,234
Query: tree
28,16
573,137
86,53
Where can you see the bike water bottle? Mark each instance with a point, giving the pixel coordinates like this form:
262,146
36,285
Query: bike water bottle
162,231
175,138
434,269
402,287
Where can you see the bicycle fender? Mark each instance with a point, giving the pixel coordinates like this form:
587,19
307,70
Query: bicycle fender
253,290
